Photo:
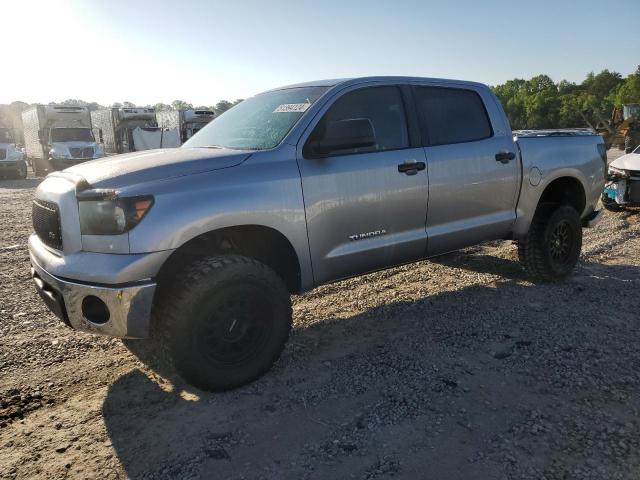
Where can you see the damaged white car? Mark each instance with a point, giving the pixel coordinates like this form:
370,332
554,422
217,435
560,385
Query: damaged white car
623,183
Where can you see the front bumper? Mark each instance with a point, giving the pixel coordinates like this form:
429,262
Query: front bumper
11,166
129,306
62,163
623,191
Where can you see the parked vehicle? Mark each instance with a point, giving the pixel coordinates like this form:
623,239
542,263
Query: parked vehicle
12,161
623,131
57,137
622,189
295,188
186,122
11,117
115,127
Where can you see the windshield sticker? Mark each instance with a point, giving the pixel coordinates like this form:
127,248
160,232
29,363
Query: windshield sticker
292,107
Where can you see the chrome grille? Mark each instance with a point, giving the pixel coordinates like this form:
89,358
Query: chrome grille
46,223
86,152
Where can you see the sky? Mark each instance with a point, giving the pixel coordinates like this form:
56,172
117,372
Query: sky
203,51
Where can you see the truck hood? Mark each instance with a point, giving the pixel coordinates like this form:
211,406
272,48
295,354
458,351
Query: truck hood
150,165
76,144
630,161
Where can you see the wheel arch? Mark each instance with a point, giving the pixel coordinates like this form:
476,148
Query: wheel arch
565,190
260,242
566,187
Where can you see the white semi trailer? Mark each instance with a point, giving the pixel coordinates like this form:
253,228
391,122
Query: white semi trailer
57,137
115,127
186,122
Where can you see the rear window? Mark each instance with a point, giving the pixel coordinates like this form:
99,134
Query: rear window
451,115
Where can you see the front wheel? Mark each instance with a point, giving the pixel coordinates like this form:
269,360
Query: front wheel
551,249
224,321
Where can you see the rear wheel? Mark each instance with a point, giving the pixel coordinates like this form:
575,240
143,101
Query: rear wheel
551,249
224,321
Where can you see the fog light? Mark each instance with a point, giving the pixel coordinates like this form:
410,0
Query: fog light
95,310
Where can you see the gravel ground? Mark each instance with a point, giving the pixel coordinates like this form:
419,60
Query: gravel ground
456,368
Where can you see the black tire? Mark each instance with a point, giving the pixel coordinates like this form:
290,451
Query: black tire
224,321
21,172
551,249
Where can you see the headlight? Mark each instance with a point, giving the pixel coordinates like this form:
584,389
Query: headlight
616,171
112,216
16,154
57,153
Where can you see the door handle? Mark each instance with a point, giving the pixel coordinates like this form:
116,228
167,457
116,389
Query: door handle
505,157
411,167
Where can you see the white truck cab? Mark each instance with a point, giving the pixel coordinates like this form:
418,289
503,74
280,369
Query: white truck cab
57,137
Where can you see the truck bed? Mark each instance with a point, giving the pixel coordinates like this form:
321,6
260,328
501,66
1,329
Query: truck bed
550,154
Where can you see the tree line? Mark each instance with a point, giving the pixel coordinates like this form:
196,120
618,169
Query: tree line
219,108
540,103
530,104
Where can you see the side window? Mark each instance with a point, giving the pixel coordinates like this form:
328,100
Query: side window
451,115
382,106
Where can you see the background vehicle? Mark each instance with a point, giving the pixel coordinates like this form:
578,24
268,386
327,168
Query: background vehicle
623,131
12,161
57,137
623,183
186,122
114,127
294,188
11,117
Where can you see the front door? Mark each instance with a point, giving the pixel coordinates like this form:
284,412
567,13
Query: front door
365,207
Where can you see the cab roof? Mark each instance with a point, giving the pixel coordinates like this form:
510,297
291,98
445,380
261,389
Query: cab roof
357,80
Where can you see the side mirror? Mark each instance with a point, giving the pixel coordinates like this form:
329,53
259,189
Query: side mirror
344,135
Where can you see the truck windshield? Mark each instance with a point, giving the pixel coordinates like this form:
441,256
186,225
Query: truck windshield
258,123
6,135
71,135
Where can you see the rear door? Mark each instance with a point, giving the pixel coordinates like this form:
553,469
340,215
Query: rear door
473,168
365,207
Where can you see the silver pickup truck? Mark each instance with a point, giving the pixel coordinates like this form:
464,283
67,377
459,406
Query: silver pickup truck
199,248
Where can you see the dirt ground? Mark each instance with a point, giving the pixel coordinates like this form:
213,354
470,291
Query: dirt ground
455,368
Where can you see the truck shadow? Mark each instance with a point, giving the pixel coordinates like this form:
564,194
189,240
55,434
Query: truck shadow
460,367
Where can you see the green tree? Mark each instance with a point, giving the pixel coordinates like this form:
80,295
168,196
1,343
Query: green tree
180,105
542,103
628,91
159,107
222,106
512,95
577,110
601,85
81,103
